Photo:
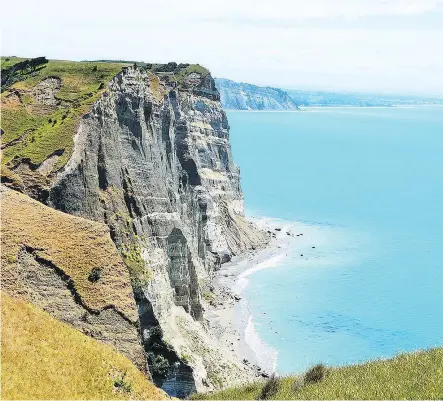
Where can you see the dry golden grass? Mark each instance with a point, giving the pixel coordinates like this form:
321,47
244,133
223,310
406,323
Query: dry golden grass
45,359
75,245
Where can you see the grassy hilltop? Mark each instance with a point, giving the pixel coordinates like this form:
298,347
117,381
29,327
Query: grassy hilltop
417,375
34,130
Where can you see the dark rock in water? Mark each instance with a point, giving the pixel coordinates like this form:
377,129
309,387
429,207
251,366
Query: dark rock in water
313,247
301,254
245,361
278,229
237,298
288,233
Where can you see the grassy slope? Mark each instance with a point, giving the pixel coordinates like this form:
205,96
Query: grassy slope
80,84
417,375
75,245
43,358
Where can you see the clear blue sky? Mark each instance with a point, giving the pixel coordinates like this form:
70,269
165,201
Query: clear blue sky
356,45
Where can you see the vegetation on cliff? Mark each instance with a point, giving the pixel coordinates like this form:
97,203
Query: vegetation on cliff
43,102
417,375
79,248
41,111
43,358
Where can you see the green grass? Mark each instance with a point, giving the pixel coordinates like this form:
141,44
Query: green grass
180,73
19,121
7,62
417,375
46,129
190,69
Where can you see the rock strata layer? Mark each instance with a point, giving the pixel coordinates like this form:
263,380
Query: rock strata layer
152,160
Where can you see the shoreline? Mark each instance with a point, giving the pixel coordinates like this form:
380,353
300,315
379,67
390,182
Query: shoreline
307,108
229,316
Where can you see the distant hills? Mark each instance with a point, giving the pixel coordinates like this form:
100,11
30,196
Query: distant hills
244,96
319,98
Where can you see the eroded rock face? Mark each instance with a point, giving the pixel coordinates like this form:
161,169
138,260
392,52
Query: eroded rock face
159,171
45,91
69,267
46,287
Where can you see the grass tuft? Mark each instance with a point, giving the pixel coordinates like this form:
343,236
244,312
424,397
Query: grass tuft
270,388
122,385
315,374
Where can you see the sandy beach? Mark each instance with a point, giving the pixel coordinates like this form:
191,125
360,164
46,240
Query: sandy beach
229,316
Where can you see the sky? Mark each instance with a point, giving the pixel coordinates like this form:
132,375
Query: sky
390,46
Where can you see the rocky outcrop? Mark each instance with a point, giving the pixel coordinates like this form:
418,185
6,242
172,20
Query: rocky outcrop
152,160
243,96
46,90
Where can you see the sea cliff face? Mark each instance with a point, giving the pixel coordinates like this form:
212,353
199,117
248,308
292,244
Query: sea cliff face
243,96
152,160
140,155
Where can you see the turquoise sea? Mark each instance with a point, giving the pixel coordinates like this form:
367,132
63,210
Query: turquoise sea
369,181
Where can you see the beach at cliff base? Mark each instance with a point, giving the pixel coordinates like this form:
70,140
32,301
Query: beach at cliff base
229,316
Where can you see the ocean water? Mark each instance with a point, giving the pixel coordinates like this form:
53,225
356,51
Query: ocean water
366,187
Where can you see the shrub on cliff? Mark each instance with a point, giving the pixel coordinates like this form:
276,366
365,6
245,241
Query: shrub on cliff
315,374
270,388
158,365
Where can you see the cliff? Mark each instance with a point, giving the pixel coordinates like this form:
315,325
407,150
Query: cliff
242,96
150,158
